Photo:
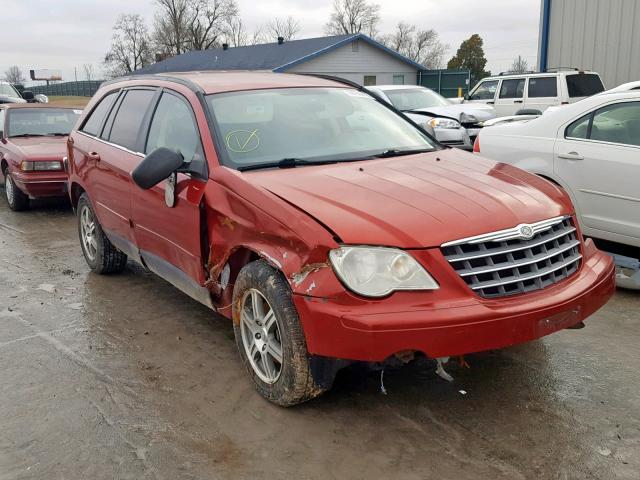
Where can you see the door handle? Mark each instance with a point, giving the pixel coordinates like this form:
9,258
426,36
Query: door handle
95,156
571,156
517,101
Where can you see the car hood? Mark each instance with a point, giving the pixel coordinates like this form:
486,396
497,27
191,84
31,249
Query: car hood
481,112
41,147
415,201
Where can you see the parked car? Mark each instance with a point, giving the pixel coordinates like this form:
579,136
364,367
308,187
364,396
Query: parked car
328,227
592,150
454,125
9,94
511,94
32,146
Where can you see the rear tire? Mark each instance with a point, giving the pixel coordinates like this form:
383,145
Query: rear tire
16,199
270,338
101,256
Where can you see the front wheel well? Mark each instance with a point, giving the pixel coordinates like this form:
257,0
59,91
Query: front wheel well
3,166
551,180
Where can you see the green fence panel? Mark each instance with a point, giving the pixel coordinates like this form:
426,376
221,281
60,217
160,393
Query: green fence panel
83,88
448,83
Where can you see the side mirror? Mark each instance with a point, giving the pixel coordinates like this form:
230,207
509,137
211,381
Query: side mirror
156,167
28,95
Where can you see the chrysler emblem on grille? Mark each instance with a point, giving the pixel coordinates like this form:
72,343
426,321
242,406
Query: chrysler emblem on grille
526,232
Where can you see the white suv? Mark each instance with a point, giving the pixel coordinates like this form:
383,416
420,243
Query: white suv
511,94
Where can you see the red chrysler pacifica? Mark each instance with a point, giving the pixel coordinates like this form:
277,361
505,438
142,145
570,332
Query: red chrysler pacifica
324,223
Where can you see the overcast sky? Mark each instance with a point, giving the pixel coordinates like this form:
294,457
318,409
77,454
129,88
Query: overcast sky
65,34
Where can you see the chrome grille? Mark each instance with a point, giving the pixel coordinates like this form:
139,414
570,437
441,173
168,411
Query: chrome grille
508,263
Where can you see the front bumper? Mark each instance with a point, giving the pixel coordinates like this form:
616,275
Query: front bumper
452,320
42,184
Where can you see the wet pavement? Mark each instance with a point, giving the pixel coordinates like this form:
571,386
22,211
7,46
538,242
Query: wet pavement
125,377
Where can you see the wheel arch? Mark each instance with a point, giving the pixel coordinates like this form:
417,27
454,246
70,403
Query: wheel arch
75,191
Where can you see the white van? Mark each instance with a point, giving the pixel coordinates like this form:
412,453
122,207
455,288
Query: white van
511,94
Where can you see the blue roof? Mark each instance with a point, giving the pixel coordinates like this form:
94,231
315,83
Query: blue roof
267,56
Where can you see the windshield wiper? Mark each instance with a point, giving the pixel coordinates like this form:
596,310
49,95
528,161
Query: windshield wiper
398,153
285,163
22,135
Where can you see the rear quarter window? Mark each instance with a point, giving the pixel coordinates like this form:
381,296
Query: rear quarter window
93,123
584,85
540,87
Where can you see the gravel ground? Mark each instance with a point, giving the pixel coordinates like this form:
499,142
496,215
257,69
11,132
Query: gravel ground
125,377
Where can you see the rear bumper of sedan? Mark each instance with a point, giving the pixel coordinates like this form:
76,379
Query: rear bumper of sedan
453,320
42,184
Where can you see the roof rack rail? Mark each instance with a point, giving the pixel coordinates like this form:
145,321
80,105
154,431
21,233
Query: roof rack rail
560,69
517,73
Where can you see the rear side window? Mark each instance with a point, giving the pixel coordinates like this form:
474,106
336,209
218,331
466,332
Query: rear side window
543,87
485,91
584,85
93,123
513,88
619,123
128,120
174,127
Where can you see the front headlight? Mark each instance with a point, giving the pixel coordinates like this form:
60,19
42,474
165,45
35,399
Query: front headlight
447,123
29,166
378,271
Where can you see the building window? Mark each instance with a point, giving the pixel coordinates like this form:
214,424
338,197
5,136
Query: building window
369,80
355,46
398,79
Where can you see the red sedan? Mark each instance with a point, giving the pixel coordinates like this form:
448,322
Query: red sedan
328,226
33,141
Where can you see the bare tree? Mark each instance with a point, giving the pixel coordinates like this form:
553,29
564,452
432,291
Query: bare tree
421,46
14,75
171,29
286,28
235,32
519,65
130,46
258,36
207,22
88,71
353,16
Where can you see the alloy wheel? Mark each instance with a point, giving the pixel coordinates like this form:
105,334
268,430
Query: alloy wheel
261,337
9,189
88,232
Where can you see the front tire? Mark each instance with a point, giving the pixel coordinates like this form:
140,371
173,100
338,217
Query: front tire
16,199
101,256
270,338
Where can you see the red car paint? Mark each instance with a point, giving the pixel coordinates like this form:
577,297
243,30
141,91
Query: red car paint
292,218
13,151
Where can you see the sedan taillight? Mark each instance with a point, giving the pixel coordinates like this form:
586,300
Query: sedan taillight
476,145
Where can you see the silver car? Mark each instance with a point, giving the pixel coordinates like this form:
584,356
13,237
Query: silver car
453,124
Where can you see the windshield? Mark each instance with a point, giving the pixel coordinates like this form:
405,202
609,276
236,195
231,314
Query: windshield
42,121
415,98
8,90
262,126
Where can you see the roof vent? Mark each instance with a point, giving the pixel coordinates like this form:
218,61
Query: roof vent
225,46
280,40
